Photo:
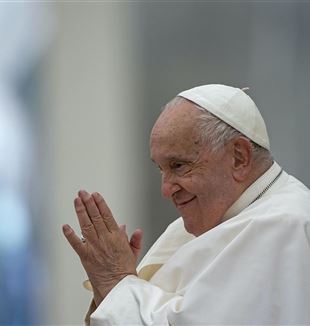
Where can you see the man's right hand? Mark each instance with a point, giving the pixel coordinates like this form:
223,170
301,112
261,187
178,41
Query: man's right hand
106,253
135,241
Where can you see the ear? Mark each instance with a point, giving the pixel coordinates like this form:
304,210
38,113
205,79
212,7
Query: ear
242,158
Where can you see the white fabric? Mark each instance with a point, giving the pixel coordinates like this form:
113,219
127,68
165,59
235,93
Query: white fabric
253,268
233,106
256,188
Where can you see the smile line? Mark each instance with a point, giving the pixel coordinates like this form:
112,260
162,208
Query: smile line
185,202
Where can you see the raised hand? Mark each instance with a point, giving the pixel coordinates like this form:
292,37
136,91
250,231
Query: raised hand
105,252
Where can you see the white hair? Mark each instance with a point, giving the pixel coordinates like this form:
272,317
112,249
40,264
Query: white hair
216,133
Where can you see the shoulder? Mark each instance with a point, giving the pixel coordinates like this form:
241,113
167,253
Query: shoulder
174,237
289,200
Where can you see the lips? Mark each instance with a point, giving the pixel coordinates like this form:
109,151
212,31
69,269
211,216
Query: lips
182,203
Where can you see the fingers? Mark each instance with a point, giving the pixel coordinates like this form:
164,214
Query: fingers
93,212
75,242
81,212
136,242
105,212
122,227
86,225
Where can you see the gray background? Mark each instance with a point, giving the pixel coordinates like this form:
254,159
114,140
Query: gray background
264,46
111,66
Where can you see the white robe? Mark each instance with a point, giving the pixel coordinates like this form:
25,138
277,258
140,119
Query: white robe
254,268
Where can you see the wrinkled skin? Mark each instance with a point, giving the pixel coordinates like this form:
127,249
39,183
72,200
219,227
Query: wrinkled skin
106,254
199,183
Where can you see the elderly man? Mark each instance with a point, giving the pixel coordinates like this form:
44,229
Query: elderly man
240,253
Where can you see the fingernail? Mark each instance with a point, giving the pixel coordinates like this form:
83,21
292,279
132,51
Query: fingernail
77,201
96,197
66,228
123,227
82,192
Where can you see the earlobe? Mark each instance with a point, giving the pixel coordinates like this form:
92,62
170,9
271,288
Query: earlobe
242,158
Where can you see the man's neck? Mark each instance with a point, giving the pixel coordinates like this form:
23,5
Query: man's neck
259,168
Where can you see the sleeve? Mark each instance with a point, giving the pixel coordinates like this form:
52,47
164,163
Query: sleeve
249,280
135,302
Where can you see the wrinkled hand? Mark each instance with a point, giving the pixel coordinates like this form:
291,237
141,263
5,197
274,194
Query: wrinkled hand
106,254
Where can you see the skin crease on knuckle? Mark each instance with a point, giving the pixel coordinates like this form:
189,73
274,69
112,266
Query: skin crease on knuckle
97,220
201,183
190,178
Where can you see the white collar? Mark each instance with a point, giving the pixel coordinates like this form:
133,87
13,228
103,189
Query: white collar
258,187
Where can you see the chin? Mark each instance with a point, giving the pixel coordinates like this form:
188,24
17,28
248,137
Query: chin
190,227
194,228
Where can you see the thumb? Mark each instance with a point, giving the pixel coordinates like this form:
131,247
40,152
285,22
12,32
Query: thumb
136,242
123,229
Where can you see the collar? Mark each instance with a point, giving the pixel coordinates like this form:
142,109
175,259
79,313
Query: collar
253,192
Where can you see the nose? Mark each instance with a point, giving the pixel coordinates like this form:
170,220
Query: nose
168,186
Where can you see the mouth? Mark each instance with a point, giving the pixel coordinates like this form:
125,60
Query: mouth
182,204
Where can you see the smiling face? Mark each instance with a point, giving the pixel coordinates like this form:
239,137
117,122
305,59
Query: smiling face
199,183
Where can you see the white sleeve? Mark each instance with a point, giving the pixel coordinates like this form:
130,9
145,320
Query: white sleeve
134,301
258,274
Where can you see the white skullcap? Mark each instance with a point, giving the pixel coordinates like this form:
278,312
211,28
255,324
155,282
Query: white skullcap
233,106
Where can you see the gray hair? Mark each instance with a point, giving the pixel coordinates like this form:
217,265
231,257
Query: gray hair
217,133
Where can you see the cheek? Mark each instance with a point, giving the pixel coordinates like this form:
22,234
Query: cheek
191,184
197,185
208,188
215,192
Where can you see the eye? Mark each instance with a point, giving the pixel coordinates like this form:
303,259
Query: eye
177,165
179,168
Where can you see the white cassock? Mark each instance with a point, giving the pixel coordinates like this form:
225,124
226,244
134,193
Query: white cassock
254,268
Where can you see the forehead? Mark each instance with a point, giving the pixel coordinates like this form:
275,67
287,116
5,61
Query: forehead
175,132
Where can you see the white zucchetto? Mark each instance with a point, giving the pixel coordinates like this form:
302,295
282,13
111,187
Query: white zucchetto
233,106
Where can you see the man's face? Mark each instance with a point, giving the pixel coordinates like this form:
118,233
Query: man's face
197,181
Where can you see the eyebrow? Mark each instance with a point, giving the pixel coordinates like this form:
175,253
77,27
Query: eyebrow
174,158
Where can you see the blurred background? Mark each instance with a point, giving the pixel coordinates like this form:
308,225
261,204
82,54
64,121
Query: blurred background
81,84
